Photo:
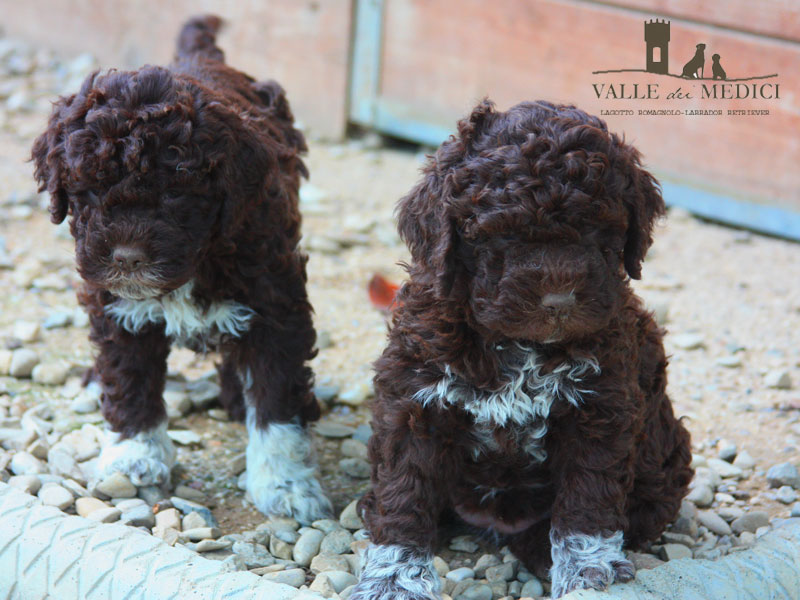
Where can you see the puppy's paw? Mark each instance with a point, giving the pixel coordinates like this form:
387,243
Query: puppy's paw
280,475
147,458
396,573
582,561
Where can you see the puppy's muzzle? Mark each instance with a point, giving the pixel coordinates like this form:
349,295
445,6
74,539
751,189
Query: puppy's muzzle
129,259
558,304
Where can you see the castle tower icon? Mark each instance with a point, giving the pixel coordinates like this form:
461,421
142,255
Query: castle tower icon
656,35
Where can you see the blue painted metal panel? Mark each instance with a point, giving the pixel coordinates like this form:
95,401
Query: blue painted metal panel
365,68
758,217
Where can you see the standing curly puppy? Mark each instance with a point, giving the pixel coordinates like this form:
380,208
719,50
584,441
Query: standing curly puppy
182,187
523,386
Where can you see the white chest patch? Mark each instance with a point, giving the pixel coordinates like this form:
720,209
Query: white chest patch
525,399
184,320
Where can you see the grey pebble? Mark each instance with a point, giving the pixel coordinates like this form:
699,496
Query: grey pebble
750,522
463,543
187,506
674,552
189,493
532,589
30,484
340,579
326,393
349,519
713,522
363,433
57,319
355,467
730,513
105,515
744,460
786,494
478,591
212,545
253,555
116,485
783,474
701,494
55,495
24,463
279,548
329,562
336,542
139,516
326,525
795,509
484,562
778,379
23,360
292,577
330,429
354,449
504,572
460,574
307,547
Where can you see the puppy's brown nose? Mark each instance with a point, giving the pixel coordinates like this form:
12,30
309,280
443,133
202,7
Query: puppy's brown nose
558,303
128,258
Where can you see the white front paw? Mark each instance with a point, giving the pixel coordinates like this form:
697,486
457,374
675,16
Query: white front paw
395,572
280,476
146,458
583,561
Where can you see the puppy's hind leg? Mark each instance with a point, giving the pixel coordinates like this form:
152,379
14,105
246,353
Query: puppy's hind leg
231,394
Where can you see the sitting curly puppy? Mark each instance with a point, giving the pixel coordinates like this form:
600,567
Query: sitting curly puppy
523,386
182,186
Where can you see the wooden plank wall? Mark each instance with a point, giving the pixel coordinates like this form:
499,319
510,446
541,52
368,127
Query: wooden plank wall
437,62
303,44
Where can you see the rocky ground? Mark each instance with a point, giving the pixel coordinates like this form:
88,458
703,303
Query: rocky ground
730,301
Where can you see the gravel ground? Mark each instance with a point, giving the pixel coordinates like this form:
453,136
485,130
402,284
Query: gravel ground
730,301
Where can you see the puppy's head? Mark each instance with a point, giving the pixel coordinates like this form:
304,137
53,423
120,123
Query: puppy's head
531,221
151,168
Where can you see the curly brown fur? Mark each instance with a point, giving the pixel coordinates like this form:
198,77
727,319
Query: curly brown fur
181,184
523,385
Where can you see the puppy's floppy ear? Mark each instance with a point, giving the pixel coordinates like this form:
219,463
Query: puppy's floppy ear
48,156
429,231
645,205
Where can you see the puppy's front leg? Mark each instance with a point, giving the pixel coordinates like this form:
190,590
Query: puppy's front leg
402,512
131,366
276,384
593,474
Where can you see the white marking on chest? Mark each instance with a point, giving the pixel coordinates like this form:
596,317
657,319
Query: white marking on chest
183,319
523,401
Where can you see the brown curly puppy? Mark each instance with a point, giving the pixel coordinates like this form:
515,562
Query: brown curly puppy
523,387
182,186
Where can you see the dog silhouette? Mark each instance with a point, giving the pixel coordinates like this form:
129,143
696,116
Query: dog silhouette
697,63
716,68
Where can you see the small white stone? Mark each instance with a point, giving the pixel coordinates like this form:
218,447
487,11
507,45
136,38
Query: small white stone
30,484
55,495
86,506
744,460
117,485
778,379
184,437
169,518
725,469
27,331
356,394
24,463
460,574
5,361
732,361
105,515
50,373
687,341
23,360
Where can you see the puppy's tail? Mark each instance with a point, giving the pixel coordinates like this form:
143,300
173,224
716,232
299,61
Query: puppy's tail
199,36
